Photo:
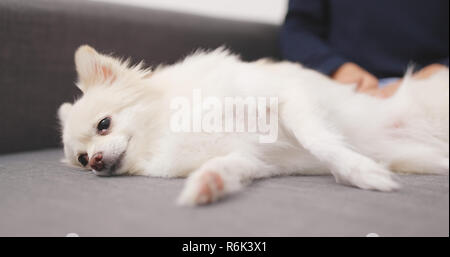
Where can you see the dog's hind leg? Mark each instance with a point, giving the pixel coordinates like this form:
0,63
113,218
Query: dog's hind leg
308,124
221,176
410,157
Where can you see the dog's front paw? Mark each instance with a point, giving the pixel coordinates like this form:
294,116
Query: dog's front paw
369,177
204,188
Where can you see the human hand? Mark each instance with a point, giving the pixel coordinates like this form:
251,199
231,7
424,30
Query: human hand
424,73
351,73
429,71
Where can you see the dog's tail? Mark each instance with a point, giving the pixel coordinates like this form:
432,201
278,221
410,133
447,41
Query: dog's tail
426,102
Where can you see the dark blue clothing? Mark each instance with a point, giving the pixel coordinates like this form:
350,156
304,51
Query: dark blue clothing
382,36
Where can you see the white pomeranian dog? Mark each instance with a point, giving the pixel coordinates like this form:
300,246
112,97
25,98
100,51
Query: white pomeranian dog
138,121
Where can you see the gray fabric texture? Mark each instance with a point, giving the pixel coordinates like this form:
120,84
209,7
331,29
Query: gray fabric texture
39,196
38,39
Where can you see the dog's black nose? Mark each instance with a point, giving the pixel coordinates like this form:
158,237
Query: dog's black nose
96,162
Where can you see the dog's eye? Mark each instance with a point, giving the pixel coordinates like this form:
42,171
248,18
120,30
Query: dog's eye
103,125
83,159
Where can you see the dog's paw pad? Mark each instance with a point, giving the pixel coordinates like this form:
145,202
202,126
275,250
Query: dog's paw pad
210,188
204,189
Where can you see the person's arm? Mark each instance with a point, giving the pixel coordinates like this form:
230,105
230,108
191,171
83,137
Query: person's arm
303,39
304,33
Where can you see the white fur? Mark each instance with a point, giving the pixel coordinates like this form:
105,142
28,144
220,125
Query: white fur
325,127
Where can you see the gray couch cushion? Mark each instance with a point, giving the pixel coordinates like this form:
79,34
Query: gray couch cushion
39,196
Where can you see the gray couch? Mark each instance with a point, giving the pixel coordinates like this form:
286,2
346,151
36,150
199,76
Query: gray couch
39,196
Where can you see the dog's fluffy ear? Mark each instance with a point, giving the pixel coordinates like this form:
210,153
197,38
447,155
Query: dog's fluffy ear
94,68
64,111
